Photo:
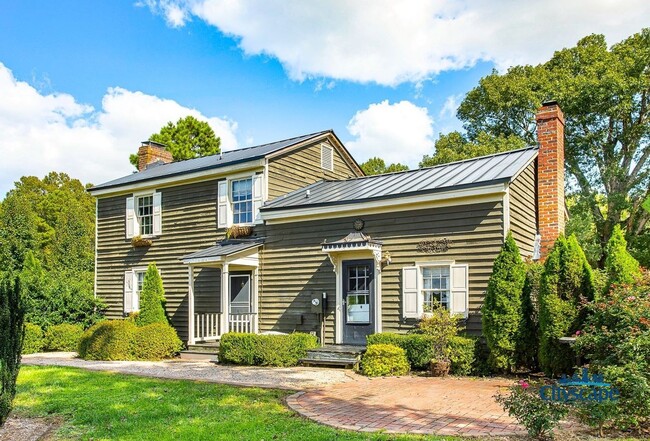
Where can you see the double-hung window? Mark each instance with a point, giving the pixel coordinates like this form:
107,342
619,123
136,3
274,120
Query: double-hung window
144,215
242,201
425,284
144,212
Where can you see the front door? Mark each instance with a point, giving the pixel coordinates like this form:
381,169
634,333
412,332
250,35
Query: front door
358,300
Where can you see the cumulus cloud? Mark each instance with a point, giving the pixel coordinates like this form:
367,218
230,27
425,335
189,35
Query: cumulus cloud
40,133
399,132
390,42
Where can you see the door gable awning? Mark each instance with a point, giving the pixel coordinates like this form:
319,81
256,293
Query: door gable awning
355,241
223,250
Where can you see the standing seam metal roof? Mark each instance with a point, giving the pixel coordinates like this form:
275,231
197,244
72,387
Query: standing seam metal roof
207,162
223,249
484,170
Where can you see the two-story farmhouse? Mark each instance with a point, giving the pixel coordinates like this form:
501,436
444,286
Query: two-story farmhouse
320,247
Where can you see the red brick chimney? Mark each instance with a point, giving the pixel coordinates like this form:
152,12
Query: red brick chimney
151,152
550,175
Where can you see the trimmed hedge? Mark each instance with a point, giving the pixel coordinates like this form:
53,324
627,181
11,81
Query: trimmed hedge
109,340
265,350
63,337
156,341
34,340
419,350
382,359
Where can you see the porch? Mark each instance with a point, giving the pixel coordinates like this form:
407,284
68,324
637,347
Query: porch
231,305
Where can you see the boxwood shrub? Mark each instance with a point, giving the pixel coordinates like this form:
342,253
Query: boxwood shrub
265,350
63,337
384,359
419,350
34,340
109,340
156,341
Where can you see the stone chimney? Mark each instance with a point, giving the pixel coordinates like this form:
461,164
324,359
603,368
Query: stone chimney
151,152
550,175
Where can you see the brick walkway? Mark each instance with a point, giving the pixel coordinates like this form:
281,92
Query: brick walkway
449,406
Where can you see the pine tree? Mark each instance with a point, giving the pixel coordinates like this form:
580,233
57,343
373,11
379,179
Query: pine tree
11,330
152,298
501,313
567,284
621,267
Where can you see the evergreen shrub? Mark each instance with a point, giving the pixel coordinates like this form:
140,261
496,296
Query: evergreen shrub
34,340
63,337
265,350
383,359
152,299
12,331
621,267
156,342
109,340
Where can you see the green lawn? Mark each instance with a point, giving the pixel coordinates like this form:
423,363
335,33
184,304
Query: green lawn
98,405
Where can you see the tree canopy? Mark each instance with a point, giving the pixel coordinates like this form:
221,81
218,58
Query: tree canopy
605,95
377,166
188,138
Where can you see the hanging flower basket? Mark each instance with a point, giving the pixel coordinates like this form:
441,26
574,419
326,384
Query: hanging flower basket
139,241
239,231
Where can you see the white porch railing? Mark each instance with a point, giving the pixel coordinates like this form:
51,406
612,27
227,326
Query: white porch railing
207,326
241,322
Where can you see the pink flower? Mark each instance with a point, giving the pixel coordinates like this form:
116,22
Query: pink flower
631,298
524,384
578,332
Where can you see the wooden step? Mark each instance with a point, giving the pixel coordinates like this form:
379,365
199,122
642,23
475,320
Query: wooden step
349,363
199,356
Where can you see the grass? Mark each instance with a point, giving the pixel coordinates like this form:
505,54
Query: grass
100,405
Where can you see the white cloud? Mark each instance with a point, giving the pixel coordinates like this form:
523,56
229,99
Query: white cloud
450,106
389,41
399,132
40,133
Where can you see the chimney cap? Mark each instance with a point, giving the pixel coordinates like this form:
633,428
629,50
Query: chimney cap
154,144
549,103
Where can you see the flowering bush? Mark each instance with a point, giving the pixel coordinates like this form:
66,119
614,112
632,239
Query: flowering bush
538,416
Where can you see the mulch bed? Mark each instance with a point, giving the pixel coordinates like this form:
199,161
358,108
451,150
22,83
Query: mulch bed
28,429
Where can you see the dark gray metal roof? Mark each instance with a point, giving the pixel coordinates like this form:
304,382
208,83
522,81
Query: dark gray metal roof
484,170
207,162
223,249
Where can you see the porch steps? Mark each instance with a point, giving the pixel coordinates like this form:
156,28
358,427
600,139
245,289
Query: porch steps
201,352
346,356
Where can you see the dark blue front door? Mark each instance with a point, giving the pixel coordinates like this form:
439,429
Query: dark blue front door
358,300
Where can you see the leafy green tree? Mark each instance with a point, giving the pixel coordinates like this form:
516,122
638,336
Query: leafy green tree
377,166
567,285
455,146
605,95
621,267
527,347
11,330
501,312
188,138
152,298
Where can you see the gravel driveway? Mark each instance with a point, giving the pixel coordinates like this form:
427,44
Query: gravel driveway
293,378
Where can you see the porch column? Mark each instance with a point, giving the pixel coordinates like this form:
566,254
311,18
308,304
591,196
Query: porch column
225,298
255,301
190,305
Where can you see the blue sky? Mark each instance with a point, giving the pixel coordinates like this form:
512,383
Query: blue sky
82,83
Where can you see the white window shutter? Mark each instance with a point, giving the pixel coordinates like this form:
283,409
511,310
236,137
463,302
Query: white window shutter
460,289
130,217
257,197
410,295
129,290
157,214
222,204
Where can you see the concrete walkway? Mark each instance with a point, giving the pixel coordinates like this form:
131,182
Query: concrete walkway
293,378
423,405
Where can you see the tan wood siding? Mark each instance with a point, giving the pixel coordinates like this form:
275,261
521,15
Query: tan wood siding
301,167
523,211
292,264
189,224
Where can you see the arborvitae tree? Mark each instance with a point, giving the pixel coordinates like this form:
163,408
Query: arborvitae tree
567,285
152,298
528,339
621,267
11,341
501,313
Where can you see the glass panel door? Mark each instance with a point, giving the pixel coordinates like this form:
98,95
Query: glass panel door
240,294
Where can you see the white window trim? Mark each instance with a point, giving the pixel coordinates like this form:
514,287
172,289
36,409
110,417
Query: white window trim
156,226
257,201
420,284
135,300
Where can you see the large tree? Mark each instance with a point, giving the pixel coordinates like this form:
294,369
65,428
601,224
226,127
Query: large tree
377,166
456,146
605,95
188,138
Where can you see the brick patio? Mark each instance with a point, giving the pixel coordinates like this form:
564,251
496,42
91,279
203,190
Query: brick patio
423,405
